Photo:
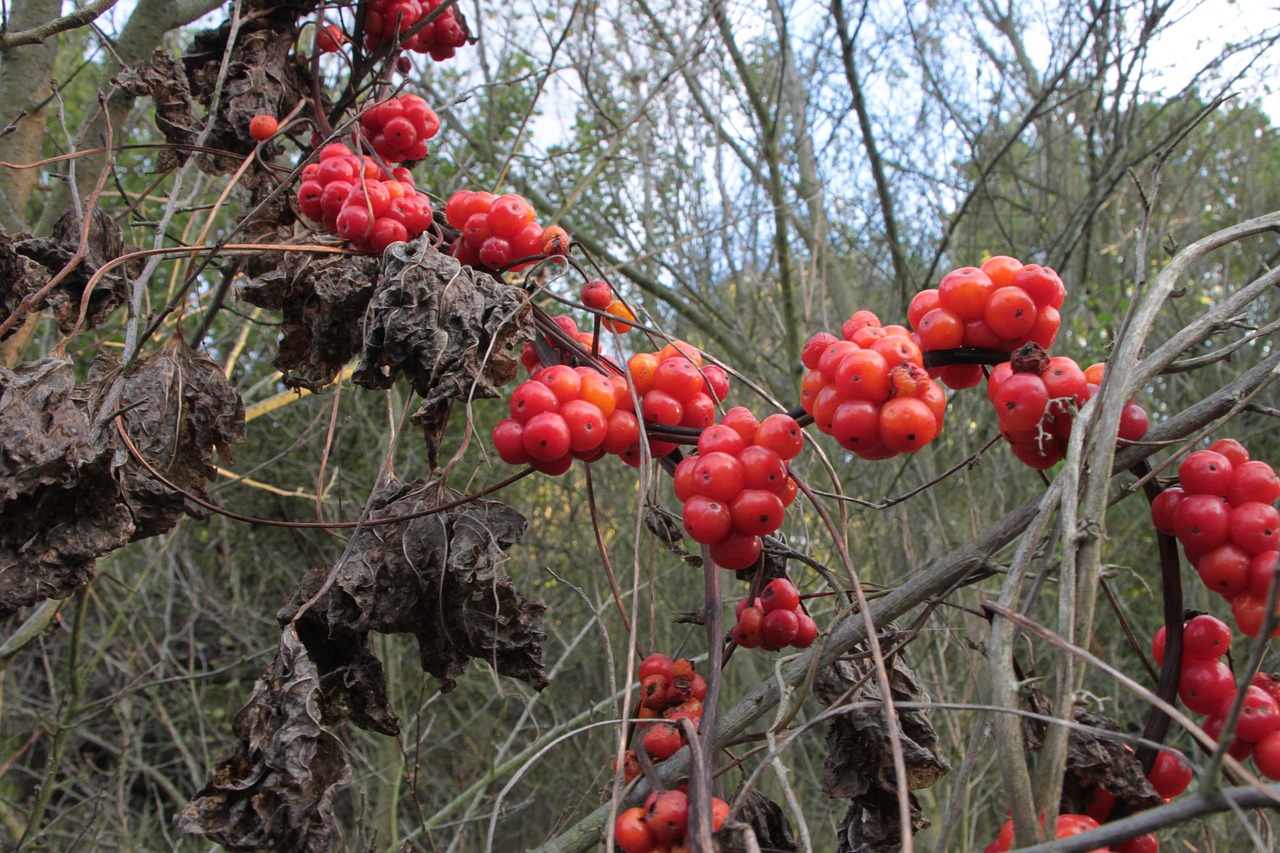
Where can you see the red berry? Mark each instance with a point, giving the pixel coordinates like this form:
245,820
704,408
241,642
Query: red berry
706,520
263,127
748,633
1206,473
756,512
658,664
662,741
1259,715
736,551
781,434
597,294
1170,774
668,816
330,38
779,629
780,594
631,833
1204,684
1206,638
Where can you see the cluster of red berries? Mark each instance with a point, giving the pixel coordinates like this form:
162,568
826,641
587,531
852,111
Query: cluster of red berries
670,691
1036,398
398,128
1000,306
663,823
384,20
870,390
1222,512
1207,686
499,230
775,619
564,413
1077,824
356,200
598,295
736,487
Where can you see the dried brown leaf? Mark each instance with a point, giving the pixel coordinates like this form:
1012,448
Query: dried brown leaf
105,243
60,507
859,761
1094,760
162,80
277,790
323,302
454,334
437,577
767,821
264,74
19,277
178,407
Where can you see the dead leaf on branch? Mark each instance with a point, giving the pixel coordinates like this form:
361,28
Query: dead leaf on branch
767,821
19,277
455,334
437,577
60,506
277,790
264,74
105,243
1093,760
322,300
70,491
859,754
177,409
162,80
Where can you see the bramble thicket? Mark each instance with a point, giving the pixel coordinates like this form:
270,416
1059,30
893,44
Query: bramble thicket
730,426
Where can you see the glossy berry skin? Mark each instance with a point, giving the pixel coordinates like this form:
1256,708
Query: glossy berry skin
631,834
1266,756
779,629
1170,774
1206,473
1204,684
1206,638
263,127
656,664
780,594
1259,715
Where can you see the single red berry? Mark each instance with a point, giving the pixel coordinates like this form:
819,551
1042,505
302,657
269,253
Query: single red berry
780,594
263,127
1170,774
779,629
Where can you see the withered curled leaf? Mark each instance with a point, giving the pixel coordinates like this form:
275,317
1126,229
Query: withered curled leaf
454,334
177,408
70,490
1094,760
277,790
437,577
105,242
60,507
859,762
322,300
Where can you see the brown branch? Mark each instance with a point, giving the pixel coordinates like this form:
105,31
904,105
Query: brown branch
36,35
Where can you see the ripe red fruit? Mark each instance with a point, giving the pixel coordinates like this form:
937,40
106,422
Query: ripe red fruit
263,127
1010,312
757,512
668,816
781,434
597,294
907,424
1162,508
1253,481
965,292
1205,472
1206,638
779,629
1170,774
656,663
662,741
780,594
736,551
1259,716
1266,755
806,631
508,440
1204,684
330,38
546,437
1200,522
718,476
631,833
748,633
706,520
